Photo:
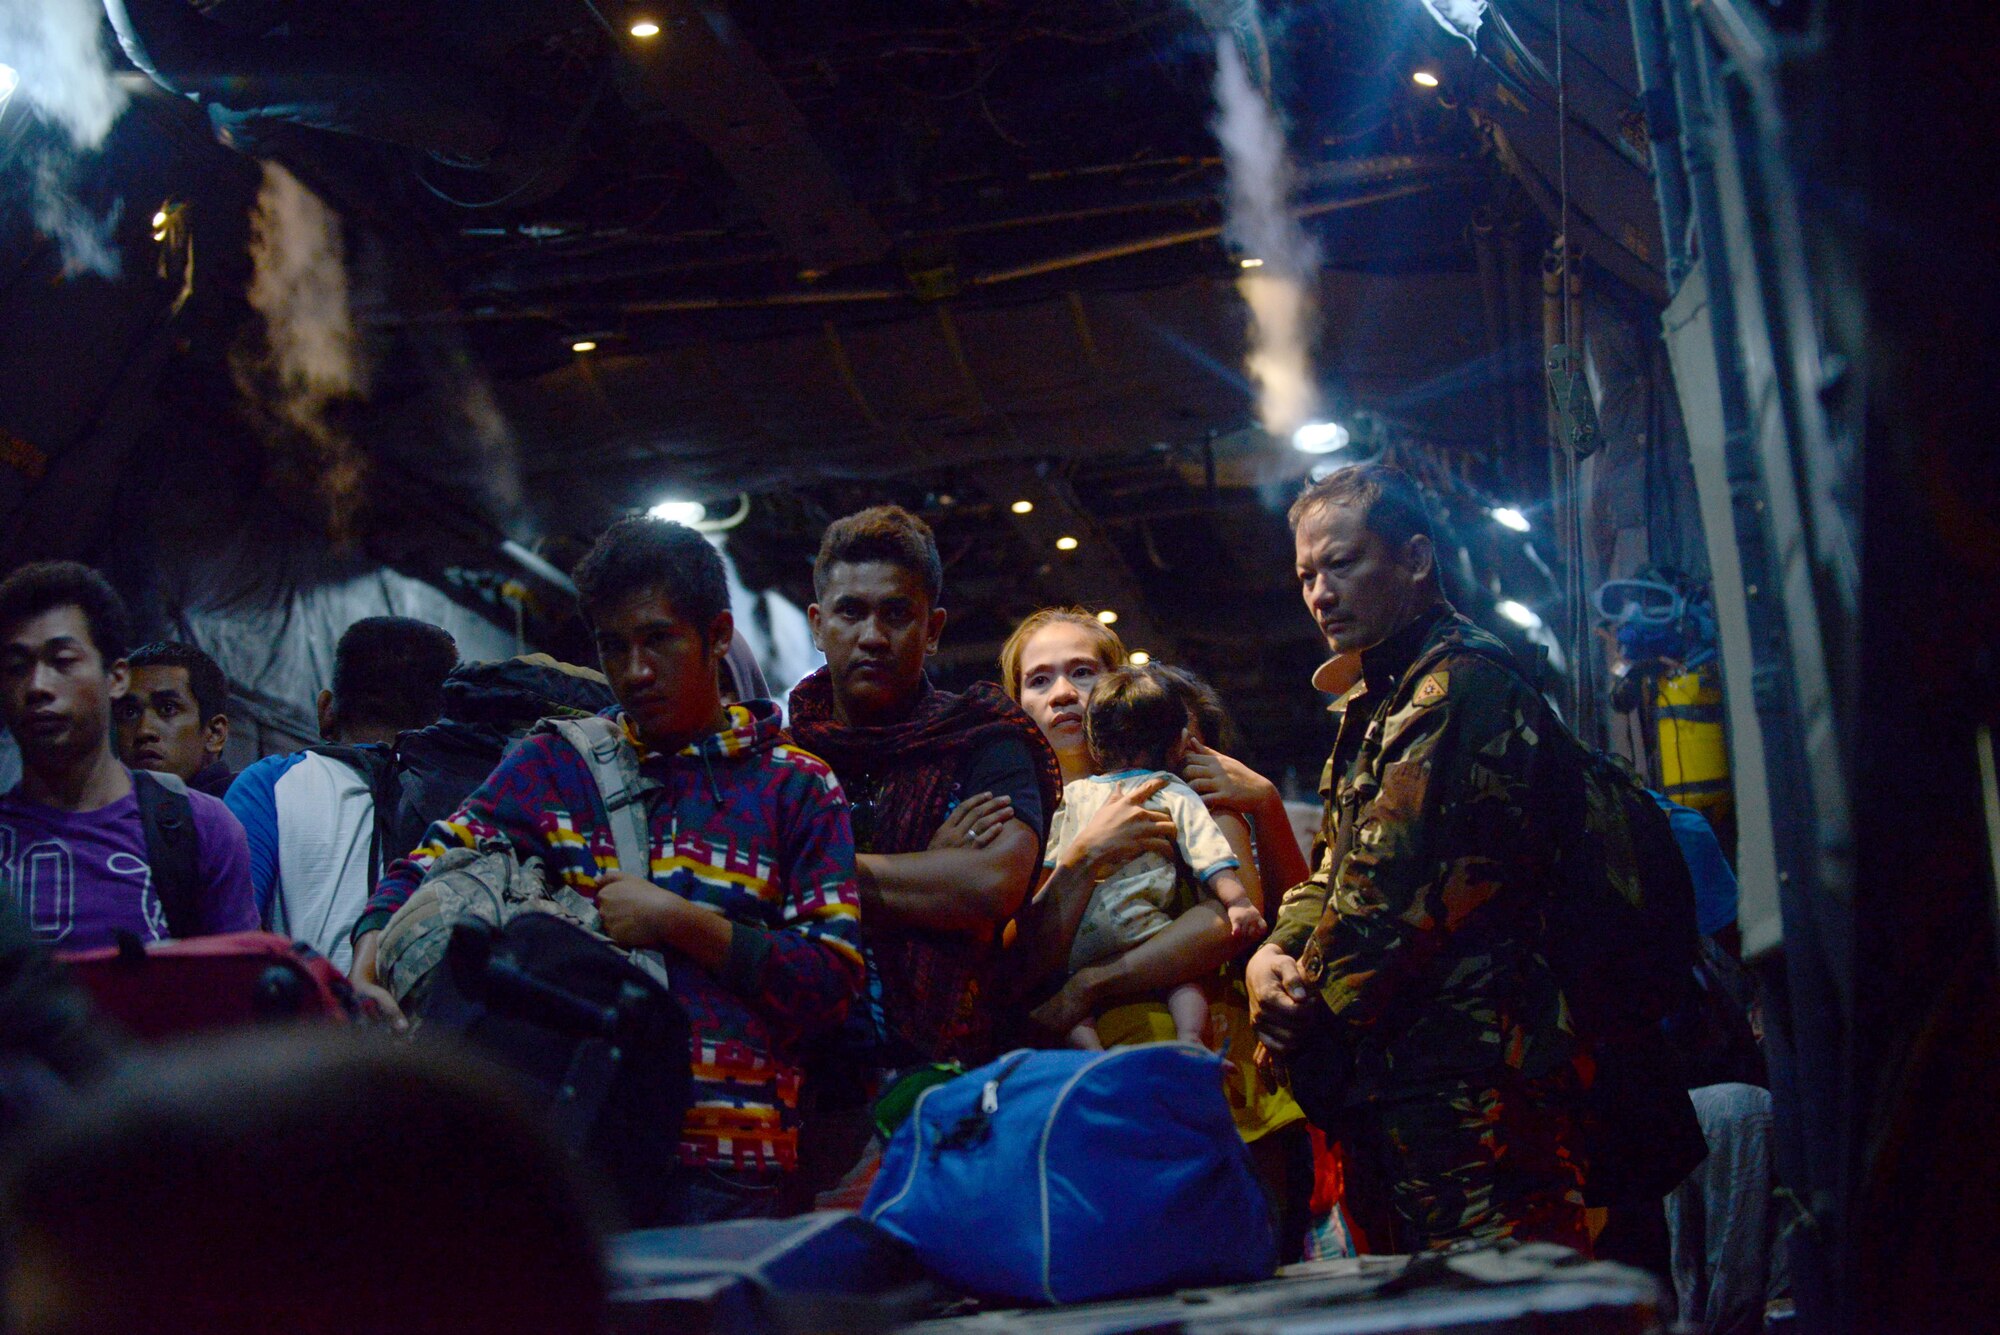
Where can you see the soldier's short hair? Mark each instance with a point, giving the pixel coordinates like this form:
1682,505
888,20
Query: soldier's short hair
1390,502
881,533
1134,719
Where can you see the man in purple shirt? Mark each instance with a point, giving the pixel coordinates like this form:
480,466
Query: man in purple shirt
72,847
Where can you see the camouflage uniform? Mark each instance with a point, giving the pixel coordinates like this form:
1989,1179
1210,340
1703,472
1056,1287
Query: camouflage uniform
1421,928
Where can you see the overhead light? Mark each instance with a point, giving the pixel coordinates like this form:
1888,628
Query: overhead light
1518,613
1108,617
9,81
1251,262
584,345
1065,543
1424,79
1139,658
1320,438
645,28
1022,507
160,217
680,512
1506,516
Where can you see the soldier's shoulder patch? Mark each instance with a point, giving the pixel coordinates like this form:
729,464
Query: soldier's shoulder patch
1432,689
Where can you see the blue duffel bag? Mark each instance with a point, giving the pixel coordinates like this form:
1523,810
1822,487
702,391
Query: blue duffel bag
1063,1177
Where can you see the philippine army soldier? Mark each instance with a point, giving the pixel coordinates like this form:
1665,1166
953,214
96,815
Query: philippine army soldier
1404,985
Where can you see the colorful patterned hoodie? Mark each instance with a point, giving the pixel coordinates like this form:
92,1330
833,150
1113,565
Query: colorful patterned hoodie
744,823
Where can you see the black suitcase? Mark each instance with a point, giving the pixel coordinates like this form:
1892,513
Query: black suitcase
595,1040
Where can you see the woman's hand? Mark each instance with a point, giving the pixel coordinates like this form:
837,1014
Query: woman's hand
975,822
1122,829
1224,782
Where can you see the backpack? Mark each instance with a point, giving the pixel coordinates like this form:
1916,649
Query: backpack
428,772
593,1040
1627,946
488,885
173,849
493,958
1623,945
1063,1177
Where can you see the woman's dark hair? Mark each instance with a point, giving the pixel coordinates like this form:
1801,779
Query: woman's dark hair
1134,720
47,585
205,675
641,555
1204,707
881,533
389,672
305,1182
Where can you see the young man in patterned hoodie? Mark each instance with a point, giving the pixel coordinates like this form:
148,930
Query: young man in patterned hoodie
751,890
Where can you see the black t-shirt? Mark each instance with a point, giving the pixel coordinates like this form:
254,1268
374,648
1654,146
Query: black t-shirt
1002,766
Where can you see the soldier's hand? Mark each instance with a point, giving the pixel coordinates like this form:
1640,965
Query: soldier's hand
1278,998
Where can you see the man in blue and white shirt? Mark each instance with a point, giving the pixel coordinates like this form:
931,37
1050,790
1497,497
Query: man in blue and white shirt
310,817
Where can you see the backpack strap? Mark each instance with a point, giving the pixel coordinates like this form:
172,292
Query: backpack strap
173,849
378,768
614,767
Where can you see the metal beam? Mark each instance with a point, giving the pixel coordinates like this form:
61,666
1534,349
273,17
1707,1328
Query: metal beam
1742,200
1093,575
706,75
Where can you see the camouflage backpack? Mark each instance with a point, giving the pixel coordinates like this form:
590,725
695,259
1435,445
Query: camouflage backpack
487,884
1623,944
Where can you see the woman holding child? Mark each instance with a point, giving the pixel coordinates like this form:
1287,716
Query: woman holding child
1049,665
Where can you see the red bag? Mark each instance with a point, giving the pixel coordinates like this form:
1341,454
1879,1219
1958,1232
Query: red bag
173,988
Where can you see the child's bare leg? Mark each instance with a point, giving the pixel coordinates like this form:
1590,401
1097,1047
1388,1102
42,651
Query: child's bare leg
1085,1036
1188,1004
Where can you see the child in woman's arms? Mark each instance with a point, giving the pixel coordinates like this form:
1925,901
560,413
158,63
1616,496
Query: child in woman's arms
1137,730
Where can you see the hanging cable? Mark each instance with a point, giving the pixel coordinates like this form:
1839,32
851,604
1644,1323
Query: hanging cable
1573,527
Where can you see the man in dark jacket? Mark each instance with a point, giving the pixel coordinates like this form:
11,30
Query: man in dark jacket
908,754
1406,981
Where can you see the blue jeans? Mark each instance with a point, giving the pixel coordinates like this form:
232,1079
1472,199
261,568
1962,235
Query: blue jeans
1720,1218
706,1195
